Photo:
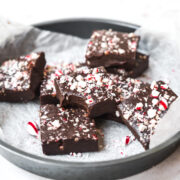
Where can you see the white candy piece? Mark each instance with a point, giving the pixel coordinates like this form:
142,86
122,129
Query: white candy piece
56,123
155,93
155,102
34,56
142,127
121,51
82,84
151,113
32,128
153,84
139,106
79,78
117,114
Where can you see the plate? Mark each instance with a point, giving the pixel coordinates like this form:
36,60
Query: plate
113,169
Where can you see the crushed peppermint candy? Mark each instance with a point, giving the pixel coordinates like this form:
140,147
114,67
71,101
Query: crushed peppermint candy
139,106
50,73
15,74
127,140
155,100
108,42
163,105
65,124
32,128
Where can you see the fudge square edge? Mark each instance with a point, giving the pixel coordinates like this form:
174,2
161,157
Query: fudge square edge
66,130
111,48
20,78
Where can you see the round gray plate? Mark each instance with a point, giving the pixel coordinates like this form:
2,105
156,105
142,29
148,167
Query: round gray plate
113,169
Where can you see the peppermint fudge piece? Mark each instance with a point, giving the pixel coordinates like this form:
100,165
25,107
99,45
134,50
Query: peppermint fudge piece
20,78
126,87
142,111
47,90
92,89
66,130
141,64
111,48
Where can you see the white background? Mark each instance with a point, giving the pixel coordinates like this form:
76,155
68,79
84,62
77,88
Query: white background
134,11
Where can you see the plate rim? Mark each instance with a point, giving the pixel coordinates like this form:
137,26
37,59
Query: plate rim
173,140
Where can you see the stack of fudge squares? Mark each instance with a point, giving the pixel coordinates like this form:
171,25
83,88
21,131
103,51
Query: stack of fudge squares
74,96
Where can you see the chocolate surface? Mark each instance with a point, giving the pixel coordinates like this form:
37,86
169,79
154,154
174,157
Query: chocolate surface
140,65
93,89
47,90
142,111
110,48
21,77
126,87
66,130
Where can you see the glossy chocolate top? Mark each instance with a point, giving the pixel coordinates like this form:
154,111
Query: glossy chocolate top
61,124
144,109
108,42
15,74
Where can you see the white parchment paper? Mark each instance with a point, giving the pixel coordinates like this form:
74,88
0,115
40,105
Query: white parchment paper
18,39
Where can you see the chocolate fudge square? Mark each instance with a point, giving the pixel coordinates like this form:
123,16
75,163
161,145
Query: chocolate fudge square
92,89
20,78
141,64
47,90
142,111
111,48
66,130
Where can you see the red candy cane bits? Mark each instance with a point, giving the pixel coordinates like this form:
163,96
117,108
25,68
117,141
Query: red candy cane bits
32,128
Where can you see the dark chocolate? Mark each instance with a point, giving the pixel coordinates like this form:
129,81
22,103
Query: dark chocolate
111,48
92,89
141,64
66,130
47,90
21,77
142,111
126,87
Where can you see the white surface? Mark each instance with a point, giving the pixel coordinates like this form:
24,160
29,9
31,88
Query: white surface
139,11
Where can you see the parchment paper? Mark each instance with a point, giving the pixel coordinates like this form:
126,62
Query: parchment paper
18,39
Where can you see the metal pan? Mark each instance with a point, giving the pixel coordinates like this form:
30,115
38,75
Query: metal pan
112,169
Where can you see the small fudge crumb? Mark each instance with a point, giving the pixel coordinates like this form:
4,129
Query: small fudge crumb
110,48
47,90
66,130
142,111
21,77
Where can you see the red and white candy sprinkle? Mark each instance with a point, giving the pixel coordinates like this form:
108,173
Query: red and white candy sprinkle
32,128
163,105
127,140
155,94
139,106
